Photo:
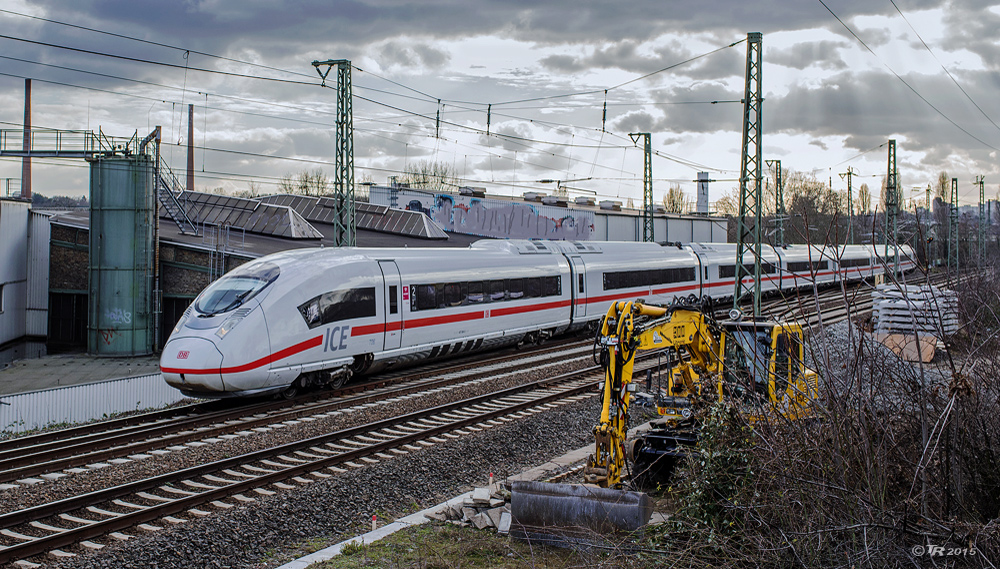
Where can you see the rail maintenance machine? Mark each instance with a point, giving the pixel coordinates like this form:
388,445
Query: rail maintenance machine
757,365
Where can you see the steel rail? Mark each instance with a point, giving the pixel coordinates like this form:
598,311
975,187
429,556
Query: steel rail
102,527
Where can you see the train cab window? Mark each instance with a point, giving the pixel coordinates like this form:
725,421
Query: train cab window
581,283
233,290
393,303
338,305
746,357
515,289
533,288
476,295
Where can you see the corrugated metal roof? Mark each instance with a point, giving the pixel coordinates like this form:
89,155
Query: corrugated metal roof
367,216
253,216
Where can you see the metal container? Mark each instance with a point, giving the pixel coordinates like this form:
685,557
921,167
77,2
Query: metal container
120,316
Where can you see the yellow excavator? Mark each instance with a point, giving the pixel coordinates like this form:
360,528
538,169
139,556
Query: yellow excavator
757,364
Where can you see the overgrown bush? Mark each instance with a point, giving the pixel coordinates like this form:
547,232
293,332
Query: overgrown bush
901,467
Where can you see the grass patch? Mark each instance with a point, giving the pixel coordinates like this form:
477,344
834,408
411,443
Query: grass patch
445,546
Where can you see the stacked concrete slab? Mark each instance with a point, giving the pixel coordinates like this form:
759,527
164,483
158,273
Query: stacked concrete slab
911,320
907,309
485,508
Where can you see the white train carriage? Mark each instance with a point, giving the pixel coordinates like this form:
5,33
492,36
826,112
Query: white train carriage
310,316
718,269
805,265
856,262
611,271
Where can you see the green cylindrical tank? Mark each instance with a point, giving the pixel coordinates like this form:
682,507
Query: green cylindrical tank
120,321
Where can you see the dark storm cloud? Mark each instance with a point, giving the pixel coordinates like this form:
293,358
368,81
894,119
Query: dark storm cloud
872,107
975,29
295,25
627,57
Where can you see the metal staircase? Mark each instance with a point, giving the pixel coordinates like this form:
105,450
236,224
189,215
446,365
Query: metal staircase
167,190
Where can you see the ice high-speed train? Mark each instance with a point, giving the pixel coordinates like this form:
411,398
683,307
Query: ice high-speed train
315,316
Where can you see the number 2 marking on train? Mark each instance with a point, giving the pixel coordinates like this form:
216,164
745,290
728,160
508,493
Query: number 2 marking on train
336,338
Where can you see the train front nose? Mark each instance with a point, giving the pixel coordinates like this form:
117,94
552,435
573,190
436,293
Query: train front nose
192,364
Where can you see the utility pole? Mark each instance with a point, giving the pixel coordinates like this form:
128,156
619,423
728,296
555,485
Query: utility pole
953,227
751,177
891,205
343,181
981,180
779,203
850,173
647,184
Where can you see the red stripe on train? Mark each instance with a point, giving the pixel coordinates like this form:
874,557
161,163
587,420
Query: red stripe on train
279,355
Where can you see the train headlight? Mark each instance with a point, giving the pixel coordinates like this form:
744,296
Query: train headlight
229,324
182,320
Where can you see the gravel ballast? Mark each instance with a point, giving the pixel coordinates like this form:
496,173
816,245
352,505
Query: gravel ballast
271,530
49,491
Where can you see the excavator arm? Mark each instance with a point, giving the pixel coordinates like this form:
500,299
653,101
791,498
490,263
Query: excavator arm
759,364
629,327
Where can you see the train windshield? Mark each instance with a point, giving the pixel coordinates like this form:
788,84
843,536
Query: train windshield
234,289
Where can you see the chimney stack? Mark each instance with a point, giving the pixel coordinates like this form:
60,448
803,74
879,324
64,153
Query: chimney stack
26,145
190,143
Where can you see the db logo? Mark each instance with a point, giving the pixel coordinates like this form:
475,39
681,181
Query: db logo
183,354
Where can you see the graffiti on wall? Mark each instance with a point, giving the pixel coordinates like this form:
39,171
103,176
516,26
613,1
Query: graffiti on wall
495,218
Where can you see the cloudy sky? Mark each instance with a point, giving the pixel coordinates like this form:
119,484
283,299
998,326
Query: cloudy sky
840,79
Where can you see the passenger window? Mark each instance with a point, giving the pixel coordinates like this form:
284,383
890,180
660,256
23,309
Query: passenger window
515,288
453,294
393,307
551,286
338,305
425,297
532,288
498,290
475,293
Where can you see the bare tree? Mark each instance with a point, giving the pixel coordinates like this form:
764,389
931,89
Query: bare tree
943,187
864,199
314,183
729,204
434,176
674,201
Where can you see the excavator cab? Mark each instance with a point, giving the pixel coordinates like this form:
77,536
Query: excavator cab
763,368
762,371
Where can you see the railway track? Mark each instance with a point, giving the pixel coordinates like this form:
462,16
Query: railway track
174,497
95,444
80,519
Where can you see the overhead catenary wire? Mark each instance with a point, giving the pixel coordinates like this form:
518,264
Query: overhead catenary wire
905,82
950,76
527,141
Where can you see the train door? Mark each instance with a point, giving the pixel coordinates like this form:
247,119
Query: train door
578,276
393,308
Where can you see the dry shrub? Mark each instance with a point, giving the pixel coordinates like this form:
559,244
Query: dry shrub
902,460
